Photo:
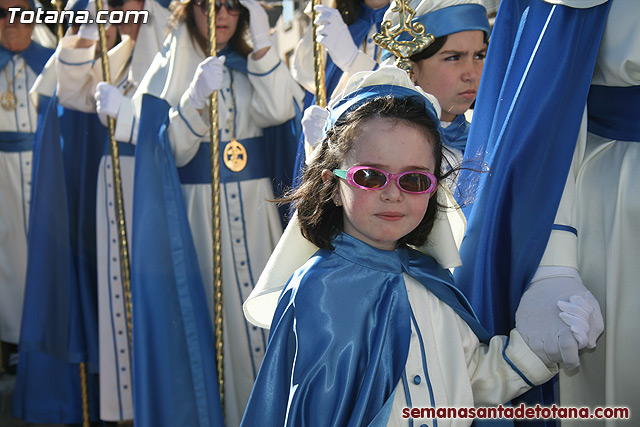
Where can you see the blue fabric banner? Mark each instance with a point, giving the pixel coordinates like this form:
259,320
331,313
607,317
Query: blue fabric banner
174,363
531,99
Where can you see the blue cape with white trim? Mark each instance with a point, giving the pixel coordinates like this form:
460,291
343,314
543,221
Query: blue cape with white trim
340,335
174,360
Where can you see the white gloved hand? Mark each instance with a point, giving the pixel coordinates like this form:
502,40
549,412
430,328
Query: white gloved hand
108,99
334,35
208,77
557,316
258,24
582,315
313,122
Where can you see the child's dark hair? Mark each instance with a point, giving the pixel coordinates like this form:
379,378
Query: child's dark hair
320,220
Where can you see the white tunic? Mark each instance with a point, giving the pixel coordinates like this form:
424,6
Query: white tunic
602,202
250,225
78,75
15,197
448,367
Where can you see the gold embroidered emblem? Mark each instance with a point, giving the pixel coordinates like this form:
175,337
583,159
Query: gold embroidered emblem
235,156
8,101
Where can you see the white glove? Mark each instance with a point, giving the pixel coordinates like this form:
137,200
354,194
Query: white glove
582,315
558,315
258,24
334,34
108,99
313,122
208,77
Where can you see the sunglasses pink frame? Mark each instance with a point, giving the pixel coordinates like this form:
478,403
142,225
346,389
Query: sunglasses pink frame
348,175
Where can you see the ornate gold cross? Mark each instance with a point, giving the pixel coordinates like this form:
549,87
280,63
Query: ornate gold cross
403,50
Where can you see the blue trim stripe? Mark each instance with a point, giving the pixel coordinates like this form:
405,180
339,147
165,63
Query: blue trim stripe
187,123
74,64
424,364
513,366
567,228
407,393
268,72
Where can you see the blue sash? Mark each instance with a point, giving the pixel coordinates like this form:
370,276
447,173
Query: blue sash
12,142
613,112
198,170
124,149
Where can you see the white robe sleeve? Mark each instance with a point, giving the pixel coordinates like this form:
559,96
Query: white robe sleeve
562,247
79,72
275,91
503,369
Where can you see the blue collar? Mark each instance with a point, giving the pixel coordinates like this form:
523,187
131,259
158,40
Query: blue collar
421,267
35,55
234,60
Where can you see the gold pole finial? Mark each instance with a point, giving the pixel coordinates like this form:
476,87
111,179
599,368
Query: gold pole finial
403,50
215,210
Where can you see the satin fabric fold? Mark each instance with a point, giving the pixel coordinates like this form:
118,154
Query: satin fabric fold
174,362
340,336
59,322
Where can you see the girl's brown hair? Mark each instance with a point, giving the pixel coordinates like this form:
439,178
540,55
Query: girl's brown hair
320,220
184,11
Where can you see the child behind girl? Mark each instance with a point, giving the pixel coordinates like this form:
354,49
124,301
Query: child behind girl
368,326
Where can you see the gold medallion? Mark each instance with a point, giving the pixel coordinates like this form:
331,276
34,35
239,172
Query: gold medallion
235,156
8,101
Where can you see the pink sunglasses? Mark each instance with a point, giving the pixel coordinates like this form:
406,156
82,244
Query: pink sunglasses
370,178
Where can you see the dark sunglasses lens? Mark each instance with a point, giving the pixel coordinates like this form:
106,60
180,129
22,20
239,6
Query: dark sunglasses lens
232,6
3,12
115,4
415,182
369,178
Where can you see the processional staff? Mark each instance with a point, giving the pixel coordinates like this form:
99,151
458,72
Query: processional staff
117,188
215,208
318,60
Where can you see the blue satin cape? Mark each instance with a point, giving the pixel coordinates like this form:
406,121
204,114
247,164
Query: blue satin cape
59,322
530,103
174,361
340,336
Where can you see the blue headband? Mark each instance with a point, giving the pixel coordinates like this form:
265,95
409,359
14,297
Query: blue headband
455,19
354,99
450,20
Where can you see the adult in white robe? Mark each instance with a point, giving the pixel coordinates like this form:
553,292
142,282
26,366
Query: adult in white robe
79,73
249,100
